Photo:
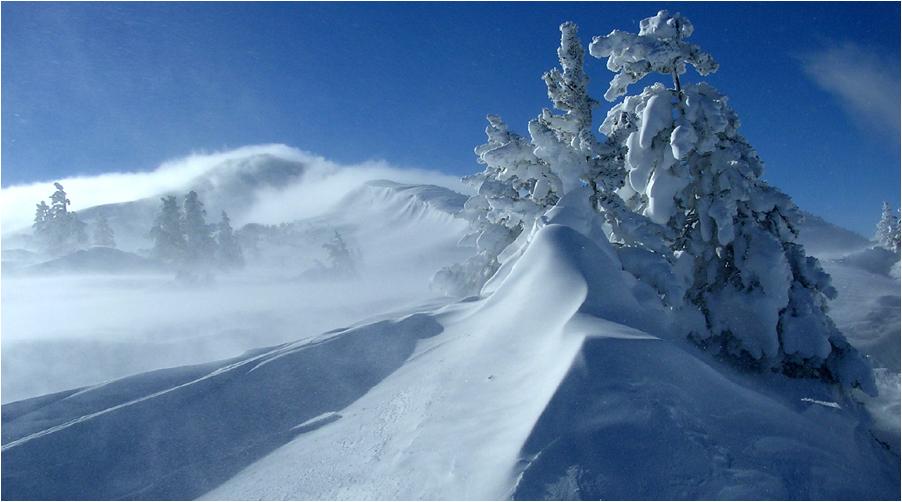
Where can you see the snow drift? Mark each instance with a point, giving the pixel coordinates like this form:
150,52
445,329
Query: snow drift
562,383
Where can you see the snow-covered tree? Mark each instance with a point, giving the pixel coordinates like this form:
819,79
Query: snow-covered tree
200,247
41,223
228,250
511,192
168,233
57,229
341,262
887,235
756,294
568,92
524,178
660,47
103,233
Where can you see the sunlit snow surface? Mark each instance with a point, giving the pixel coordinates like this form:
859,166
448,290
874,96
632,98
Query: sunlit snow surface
564,381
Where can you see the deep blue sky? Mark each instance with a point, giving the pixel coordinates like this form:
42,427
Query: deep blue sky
91,88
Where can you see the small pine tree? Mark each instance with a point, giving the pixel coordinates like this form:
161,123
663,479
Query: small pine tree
200,246
228,249
168,233
887,235
341,263
41,224
896,241
103,233
56,229
513,190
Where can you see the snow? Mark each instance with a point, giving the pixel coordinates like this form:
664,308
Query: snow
655,118
403,232
673,344
562,382
95,260
659,47
683,140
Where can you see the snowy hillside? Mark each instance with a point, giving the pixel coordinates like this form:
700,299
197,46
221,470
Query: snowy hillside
524,393
635,315
399,233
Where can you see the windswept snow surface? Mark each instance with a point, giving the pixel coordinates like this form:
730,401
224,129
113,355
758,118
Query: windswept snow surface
563,382
54,338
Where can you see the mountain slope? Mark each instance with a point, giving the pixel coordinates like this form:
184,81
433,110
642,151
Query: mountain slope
400,235
564,382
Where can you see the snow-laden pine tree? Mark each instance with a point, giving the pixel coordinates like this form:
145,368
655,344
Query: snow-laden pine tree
228,250
168,234
200,247
103,233
565,143
887,235
341,262
41,223
513,190
56,229
756,294
524,178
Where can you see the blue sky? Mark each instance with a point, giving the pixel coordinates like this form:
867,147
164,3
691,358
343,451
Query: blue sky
89,88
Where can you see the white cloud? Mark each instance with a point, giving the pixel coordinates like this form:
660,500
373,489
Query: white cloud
866,85
324,183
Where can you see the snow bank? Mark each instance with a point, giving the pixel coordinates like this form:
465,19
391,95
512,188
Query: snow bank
560,383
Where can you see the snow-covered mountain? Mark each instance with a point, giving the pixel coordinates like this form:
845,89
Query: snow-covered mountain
399,234
521,393
564,381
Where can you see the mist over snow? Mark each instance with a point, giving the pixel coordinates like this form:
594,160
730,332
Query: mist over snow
398,233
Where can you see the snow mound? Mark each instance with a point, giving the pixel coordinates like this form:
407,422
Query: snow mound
561,383
641,419
97,259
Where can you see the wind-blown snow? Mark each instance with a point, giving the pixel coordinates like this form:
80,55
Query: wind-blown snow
401,234
314,184
561,383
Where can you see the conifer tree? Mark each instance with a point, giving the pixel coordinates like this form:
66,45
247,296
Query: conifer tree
168,232
228,250
103,233
199,244
887,235
57,229
341,263
758,297
41,223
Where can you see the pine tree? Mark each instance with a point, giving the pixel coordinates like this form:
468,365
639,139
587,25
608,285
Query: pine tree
887,235
168,232
200,246
228,250
41,224
341,263
756,294
513,190
568,92
565,142
56,229
103,233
